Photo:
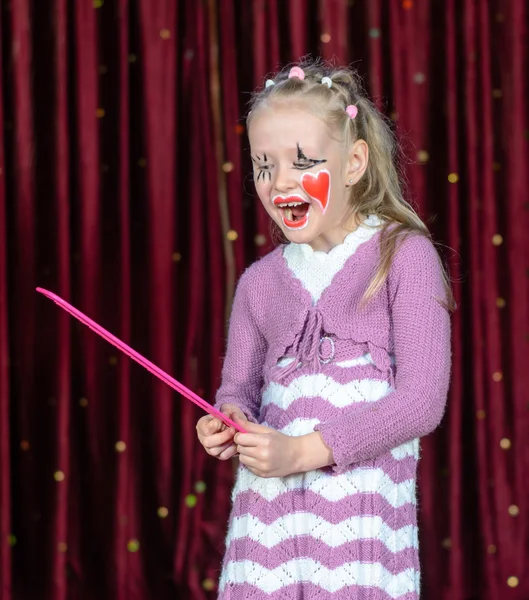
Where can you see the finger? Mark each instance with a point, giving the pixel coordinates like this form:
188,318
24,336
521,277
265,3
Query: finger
249,439
252,427
249,461
214,426
219,439
229,452
218,450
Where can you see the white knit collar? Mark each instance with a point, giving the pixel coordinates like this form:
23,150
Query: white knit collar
316,269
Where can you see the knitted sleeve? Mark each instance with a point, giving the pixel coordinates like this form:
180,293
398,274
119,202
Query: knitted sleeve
245,355
421,333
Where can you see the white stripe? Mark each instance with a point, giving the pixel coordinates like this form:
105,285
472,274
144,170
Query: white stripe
332,487
332,535
407,449
320,385
297,427
330,580
356,362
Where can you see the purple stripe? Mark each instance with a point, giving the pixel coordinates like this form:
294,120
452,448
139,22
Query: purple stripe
309,408
309,591
367,550
294,501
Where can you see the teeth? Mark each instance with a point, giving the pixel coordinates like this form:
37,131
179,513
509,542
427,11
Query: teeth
288,214
291,204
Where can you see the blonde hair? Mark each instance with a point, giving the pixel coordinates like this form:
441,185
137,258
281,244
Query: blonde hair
379,191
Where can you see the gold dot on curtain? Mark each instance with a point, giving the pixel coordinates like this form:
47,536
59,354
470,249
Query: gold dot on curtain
407,4
325,38
491,549
103,69
453,177
113,361
58,476
374,33
497,376
423,156
260,239
100,113
83,402
500,17
232,235
120,446
176,257
105,168
191,500
239,129
165,34
228,167
162,512
11,540
419,78
132,58
394,116
496,166
447,543
500,302
497,93
97,3
200,487
481,414
24,445
133,545
142,162
505,443
514,511
513,581
497,239
208,584
62,547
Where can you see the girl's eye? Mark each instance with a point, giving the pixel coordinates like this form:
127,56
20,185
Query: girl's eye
304,165
262,171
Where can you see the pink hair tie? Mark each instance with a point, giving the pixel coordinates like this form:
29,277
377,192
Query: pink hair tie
352,111
297,72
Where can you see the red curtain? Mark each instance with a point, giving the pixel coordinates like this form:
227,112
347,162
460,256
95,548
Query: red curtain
124,187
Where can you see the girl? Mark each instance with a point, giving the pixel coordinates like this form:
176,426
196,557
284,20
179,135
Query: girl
338,355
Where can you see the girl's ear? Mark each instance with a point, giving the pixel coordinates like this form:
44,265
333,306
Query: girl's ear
356,162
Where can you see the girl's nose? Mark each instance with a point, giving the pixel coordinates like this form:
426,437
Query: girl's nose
285,180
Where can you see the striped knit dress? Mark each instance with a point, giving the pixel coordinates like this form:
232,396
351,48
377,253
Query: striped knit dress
347,531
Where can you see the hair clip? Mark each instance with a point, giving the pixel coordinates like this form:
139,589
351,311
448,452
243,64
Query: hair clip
327,81
269,82
297,72
352,111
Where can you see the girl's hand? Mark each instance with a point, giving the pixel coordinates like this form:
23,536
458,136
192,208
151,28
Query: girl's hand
266,452
216,437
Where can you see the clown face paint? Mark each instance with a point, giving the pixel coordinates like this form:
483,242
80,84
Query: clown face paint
295,211
318,187
303,156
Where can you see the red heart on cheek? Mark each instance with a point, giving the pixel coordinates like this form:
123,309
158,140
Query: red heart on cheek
318,186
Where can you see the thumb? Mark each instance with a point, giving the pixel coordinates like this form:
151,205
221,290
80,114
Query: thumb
251,427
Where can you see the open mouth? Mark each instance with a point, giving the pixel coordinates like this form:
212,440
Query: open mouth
294,211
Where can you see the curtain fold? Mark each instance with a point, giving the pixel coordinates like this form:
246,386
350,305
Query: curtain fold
125,187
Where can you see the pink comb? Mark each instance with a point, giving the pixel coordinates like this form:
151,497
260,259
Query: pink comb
147,364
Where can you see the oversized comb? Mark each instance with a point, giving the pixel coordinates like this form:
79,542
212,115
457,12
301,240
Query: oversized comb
144,362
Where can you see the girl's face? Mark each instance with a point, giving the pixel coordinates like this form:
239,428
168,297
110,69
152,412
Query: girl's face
303,175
